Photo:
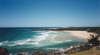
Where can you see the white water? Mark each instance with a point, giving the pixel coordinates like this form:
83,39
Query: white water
46,38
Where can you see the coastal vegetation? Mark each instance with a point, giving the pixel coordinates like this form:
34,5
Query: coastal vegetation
92,51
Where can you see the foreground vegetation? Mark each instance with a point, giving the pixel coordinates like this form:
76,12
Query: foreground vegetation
92,51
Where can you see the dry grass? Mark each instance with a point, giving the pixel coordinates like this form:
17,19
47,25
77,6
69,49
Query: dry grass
92,51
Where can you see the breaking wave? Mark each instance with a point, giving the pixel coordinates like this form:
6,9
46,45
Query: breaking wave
41,39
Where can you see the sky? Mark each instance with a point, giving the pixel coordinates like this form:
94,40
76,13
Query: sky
49,13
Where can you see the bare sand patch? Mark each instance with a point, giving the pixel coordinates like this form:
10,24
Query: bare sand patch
80,34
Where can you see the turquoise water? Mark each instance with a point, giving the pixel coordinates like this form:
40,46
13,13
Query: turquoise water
28,39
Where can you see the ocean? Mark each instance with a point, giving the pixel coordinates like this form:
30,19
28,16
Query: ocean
33,39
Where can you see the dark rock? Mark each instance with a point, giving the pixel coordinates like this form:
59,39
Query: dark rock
3,51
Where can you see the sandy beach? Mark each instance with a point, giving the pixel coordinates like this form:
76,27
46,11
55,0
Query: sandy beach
66,35
80,34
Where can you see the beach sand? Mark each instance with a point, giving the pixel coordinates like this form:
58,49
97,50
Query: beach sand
65,35
80,34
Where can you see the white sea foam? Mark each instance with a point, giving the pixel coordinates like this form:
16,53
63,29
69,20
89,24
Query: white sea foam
29,41
46,38
1,43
